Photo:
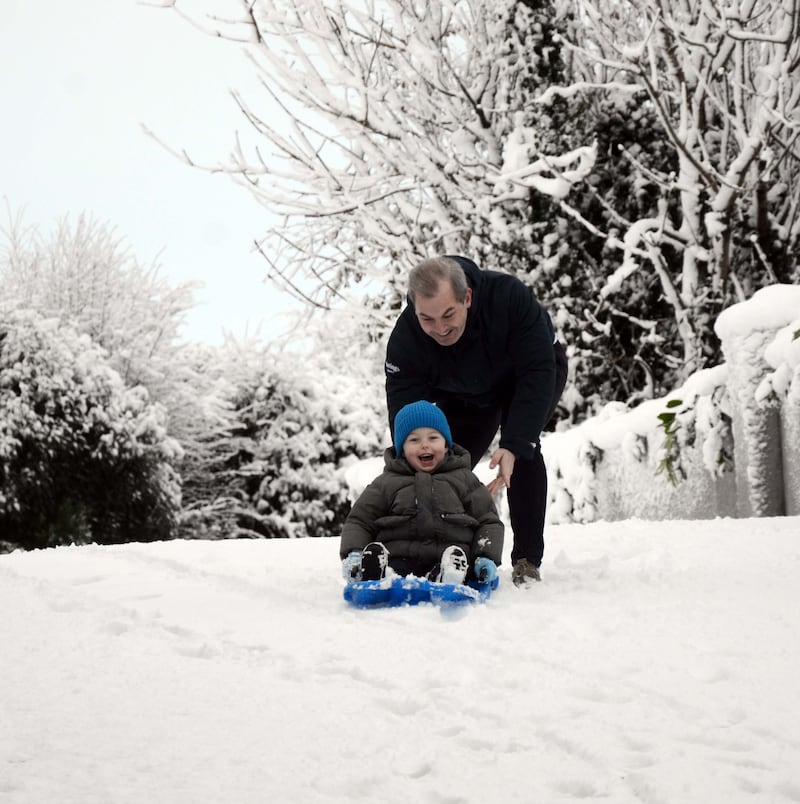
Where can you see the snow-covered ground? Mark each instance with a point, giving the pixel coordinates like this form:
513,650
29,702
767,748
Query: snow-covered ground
656,662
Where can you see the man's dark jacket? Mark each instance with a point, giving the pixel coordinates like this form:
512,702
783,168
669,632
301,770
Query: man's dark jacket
505,357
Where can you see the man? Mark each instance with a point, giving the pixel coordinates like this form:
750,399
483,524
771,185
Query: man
479,345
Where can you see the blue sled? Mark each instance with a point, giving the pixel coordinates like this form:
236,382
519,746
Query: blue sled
409,591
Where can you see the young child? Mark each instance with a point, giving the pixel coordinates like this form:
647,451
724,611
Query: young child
427,514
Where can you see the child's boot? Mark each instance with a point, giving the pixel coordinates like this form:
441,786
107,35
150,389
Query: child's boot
453,566
374,561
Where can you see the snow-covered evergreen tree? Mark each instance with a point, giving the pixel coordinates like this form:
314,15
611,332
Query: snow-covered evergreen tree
277,470
264,437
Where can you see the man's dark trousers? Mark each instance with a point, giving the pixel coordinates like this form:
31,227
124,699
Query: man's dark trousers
474,428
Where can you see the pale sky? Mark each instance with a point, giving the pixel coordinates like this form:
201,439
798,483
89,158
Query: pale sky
77,81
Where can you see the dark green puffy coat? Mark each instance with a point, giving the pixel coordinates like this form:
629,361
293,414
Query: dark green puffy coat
417,514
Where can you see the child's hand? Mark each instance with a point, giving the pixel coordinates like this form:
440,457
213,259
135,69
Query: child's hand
351,565
485,569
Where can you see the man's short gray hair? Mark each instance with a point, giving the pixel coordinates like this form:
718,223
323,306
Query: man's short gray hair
426,276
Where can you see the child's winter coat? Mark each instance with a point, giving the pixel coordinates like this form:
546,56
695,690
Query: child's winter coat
417,514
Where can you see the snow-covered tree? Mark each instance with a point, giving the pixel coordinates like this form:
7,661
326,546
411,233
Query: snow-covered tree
263,436
85,275
400,120
83,458
277,470
634,163
720,82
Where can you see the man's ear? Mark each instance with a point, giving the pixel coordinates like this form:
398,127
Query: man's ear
468,297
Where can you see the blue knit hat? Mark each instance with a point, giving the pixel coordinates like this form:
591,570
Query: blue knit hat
419,414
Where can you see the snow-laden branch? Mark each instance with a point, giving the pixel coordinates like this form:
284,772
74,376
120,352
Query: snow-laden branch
551,175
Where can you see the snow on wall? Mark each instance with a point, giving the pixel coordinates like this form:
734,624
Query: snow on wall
782,384
725,444
752,332
667,458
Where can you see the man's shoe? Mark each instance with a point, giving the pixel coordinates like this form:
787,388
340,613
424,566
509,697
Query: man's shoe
374,561
524,572
453,566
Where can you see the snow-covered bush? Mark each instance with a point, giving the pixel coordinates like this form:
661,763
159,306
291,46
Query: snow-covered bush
278,470
82,457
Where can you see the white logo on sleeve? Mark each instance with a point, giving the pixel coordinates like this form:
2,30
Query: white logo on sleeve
391,368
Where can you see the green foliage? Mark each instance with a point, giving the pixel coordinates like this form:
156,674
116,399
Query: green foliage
670,463
66,522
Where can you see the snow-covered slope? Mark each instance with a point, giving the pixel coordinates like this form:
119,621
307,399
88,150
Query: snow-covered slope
656,662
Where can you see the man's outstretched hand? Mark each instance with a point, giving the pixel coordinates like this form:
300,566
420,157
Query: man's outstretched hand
504,459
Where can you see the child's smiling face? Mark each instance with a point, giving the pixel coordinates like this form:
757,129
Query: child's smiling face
424,449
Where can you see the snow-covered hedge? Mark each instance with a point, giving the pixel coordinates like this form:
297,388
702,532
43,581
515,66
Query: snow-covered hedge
727,443
82,457
279,471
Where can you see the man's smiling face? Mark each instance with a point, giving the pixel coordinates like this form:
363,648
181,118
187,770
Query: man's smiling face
442,316
424,449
